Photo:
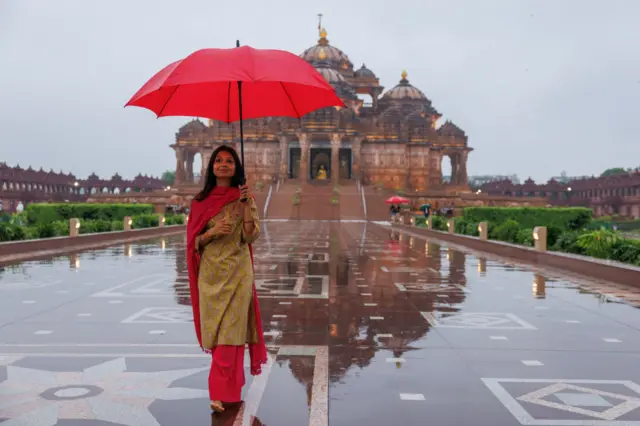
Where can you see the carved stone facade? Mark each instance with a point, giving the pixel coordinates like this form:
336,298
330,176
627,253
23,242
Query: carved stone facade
392,141
24,186
609,195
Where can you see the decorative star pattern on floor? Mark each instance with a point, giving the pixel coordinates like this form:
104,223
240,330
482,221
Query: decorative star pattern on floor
106,392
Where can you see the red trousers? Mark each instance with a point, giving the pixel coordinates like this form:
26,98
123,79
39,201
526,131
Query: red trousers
226,377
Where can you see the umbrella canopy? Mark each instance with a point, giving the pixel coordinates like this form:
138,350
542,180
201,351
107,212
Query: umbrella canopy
397,200
425,206
217,83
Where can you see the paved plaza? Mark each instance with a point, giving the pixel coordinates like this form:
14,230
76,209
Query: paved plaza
365,326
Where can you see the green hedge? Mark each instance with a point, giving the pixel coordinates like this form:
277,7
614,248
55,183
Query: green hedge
572,218
45,213
17,232
602,243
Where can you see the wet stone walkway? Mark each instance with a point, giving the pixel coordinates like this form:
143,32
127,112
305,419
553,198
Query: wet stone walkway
365,326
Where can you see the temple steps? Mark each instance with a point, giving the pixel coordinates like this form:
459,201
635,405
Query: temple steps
377,210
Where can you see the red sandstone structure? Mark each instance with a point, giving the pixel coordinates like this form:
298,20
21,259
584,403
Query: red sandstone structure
24,186
392,141
335,163
607,195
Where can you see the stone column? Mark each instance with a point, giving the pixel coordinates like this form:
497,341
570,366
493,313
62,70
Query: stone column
375,93
284,157
189,166
180,172
336,138
305,147
203,166
454,168
356,146
463,177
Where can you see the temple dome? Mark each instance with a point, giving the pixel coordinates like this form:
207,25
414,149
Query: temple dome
332,76
193,127
323,51
364,72
405,91
450,129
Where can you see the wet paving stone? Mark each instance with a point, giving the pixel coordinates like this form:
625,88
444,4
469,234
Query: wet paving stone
365,325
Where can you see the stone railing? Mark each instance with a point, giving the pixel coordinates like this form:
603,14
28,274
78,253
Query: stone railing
606,270
18,251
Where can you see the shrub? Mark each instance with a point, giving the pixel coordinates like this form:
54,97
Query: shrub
598,243
421,221
174,219
46,230
568,242
463,226
11,232
44,213
95,226
626,250
553,233
145,221
525,237
529,217
439,223
507,231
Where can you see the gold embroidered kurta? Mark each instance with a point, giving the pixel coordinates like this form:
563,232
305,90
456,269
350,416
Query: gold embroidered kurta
225,281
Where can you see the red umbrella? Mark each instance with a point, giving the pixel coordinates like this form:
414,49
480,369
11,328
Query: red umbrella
236,84
397,200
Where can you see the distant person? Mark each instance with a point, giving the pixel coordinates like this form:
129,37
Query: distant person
223,223
426,211
394,210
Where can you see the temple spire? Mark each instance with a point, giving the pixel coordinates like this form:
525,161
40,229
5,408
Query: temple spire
320,24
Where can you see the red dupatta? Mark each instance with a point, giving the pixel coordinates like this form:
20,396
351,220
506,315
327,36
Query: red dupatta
200,214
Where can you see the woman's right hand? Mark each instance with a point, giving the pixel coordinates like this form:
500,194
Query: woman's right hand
220,228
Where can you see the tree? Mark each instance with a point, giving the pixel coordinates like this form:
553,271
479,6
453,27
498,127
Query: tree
169,177
614,171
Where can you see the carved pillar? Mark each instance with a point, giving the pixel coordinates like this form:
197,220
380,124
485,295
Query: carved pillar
336,138
305,146
356,146
203,165
463,177
407,164
180,176
189,166
454,168
375,94
284,156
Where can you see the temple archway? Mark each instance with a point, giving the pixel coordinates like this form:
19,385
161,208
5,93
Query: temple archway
320,159
446,168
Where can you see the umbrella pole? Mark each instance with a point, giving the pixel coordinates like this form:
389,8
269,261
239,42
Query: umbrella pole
244,173
241,124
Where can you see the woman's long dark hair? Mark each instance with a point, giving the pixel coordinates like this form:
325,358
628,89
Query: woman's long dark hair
210,178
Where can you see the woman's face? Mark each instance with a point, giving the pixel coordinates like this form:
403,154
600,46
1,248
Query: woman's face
223,166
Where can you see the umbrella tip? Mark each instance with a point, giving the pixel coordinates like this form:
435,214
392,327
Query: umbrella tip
237,43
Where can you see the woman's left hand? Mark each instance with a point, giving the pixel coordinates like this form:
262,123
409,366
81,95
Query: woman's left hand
244,192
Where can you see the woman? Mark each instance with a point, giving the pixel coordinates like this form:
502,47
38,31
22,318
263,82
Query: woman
223,222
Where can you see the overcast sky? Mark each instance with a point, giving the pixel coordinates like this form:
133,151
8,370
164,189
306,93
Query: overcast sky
540,86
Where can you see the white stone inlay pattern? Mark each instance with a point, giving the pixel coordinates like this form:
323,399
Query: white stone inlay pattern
478,320
570,396
101,392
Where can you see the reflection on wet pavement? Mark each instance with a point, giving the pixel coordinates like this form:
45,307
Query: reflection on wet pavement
364,325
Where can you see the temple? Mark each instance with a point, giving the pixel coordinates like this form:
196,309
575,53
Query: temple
392,141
